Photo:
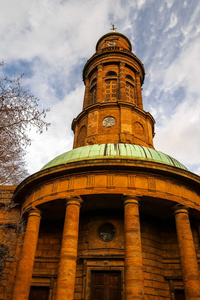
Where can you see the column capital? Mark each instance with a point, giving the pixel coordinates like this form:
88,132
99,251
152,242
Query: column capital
34,212
74,201
179,208
128,199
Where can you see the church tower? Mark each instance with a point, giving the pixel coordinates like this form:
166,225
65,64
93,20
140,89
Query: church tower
113,109
113,218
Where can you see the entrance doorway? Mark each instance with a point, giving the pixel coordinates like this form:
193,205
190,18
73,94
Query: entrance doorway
39,293
106,285
179,295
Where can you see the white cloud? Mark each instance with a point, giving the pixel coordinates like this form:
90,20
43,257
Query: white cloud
173,20
59,137
140,3
191,29
50,30
184,70
172,23
178,135
169,3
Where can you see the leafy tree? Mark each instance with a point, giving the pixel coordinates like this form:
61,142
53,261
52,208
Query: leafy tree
19,112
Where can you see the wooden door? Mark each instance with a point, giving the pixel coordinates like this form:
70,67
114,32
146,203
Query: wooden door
39,293
179,295
106,285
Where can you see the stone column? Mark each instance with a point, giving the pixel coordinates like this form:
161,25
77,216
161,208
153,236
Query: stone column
86,101
68,255
190,269
122,82
139,91
134,281
25,267
99,83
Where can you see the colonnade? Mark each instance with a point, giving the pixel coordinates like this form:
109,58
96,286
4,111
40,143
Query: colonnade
134,281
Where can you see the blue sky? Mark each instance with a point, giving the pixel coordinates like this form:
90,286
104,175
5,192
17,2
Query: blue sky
50,41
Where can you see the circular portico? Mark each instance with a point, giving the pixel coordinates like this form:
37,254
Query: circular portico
119,169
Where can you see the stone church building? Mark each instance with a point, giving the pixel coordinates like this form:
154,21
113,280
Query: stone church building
112,219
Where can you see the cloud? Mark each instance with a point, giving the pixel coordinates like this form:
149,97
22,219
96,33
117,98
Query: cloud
169,3
140,3
59,137
51,29
172,23
178,133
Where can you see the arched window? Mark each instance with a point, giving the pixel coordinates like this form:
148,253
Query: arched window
129,77
94,81
130,89
130,92
93,91
138,128
111,86
111,90
111,73
82,135
93,94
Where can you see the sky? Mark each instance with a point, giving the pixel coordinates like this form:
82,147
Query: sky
51,40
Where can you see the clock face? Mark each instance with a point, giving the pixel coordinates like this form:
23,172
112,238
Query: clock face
111,43
109,121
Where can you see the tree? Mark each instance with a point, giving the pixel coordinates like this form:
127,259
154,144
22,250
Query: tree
19,112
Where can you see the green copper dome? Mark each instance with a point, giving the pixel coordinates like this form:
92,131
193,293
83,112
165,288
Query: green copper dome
122,151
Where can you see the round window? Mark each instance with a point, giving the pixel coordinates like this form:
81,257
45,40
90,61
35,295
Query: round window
106,232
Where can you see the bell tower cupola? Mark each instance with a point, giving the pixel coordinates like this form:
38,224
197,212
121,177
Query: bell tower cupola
113,108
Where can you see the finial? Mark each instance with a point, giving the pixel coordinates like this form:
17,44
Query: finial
113,27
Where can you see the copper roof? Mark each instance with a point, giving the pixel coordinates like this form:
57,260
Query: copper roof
119,151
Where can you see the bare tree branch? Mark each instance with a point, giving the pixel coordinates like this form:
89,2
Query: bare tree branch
19,112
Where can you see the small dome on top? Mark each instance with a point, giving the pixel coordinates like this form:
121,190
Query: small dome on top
113,39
